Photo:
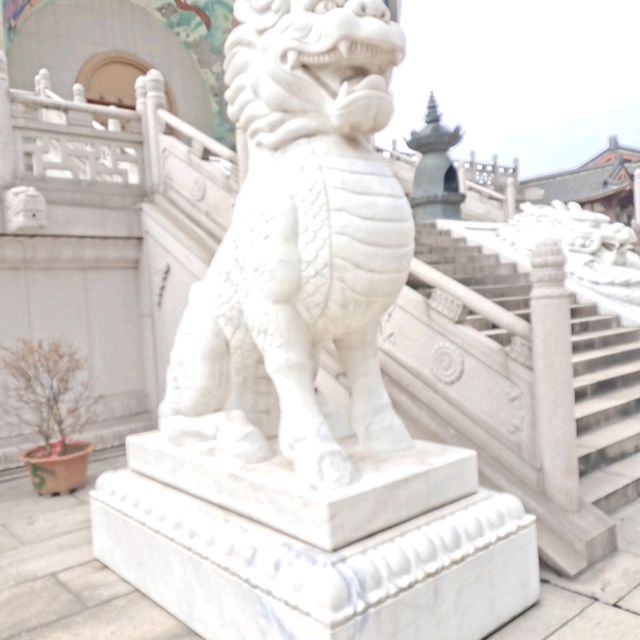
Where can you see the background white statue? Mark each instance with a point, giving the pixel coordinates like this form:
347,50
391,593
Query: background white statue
600,254
319,247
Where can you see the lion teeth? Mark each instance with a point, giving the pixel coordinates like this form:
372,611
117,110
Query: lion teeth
344,46
293,59
344,90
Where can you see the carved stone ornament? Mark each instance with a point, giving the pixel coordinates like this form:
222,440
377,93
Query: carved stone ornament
520,350
301,263
447,363
24,208
330,588
519,416
448,305
599,254
198,189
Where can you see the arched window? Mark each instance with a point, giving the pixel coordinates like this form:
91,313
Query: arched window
109,78
451,180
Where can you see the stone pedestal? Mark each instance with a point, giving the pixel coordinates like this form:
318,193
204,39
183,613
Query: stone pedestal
412,550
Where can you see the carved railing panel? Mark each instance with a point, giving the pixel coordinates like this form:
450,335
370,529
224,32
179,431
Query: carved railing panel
70,140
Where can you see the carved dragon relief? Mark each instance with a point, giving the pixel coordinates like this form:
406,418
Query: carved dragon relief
318,249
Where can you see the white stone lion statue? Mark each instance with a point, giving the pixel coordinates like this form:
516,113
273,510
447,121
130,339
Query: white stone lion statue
319,246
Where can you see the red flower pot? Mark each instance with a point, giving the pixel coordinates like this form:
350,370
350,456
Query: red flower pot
55,473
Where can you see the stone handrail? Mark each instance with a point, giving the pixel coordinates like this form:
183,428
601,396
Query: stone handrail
111,112
211,145
496,314
489,193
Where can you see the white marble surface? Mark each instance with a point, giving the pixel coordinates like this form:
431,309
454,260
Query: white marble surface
242,580
319,245
389,489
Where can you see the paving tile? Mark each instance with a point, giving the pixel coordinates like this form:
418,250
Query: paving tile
631,602
45,558
599,622
608,581
628,521
555,608
11,490
93,583
38,527
31,504
33,604
7,541
131,617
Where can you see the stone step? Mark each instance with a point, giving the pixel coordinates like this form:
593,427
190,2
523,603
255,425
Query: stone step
596,359
612,488
608,444
513,303
503,290
462,260
606,338
608,407
459,271
482,324
426,234
501,336
440,241
446,253
614,377
594,323
489,280
578,326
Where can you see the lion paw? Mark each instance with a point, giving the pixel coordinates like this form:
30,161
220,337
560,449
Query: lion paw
329,469
381,430
241,442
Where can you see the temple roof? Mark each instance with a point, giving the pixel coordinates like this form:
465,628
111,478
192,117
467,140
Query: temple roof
610,171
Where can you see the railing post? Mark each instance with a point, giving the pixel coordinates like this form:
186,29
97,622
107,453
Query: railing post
462,178
511,196
7,146
155,100
636,199
42,82
555,418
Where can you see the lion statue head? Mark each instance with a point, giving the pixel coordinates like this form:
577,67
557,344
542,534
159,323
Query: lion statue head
298,68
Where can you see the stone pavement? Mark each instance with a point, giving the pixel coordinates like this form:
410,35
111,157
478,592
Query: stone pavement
52,589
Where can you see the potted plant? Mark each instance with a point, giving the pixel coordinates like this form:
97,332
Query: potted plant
48,391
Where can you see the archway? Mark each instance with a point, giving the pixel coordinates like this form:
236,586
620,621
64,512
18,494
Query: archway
109,78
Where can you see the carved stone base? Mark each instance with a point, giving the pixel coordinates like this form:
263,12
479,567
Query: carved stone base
389,489
458,572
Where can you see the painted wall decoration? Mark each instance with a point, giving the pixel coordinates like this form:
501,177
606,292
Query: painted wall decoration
201,25
15,12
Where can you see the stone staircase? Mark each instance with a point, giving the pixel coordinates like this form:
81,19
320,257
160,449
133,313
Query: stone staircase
606,364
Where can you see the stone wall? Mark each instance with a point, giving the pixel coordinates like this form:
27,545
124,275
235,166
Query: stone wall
63,35
86,291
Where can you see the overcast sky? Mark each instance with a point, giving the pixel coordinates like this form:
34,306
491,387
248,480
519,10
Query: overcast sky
544,80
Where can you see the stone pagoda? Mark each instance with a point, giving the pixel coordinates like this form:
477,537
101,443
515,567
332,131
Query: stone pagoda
435,191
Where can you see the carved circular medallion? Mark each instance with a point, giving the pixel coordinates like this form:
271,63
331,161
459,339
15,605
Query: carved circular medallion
198,189
447,363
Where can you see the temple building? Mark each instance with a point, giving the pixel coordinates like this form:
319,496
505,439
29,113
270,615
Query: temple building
603,184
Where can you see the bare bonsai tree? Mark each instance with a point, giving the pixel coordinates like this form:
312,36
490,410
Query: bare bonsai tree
48,390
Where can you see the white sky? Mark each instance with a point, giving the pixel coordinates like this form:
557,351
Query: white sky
544,80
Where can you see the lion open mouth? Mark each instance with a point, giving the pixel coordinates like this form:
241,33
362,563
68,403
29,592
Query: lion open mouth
349,67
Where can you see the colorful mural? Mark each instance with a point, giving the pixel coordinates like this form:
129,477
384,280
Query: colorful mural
201,25
14,14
